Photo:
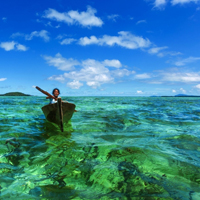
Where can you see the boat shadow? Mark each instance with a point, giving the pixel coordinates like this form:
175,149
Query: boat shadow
51,129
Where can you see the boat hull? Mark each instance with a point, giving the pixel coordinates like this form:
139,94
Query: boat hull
59,113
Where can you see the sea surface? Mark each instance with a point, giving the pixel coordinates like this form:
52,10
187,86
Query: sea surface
114,148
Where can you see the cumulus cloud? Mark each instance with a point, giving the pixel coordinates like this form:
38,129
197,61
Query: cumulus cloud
160,3
3,79
169,76
42,34
121,72
74,84
67,41
142,76
174,91
88,41
186,61
61,63
94,73
112,63
59,78
174,2
124,39
186,77
8,46
86,19
21,47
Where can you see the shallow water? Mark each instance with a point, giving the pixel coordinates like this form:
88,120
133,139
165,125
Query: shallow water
113,148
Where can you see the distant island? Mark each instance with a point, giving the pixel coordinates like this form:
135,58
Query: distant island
182,95
15,94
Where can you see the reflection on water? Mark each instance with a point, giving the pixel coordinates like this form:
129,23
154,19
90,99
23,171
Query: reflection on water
117,148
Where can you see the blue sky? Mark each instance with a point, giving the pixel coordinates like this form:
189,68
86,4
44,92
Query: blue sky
93,47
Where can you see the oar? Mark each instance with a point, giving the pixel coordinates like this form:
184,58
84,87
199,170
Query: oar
46,93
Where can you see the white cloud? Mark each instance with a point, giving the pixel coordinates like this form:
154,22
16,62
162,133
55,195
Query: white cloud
3,79
8,46
187,60
186,77
174,2
59,78
88,41
61,36
164,53
74,84
170,76
4,19
18,34
125,39
142,76
121,72
21,47
174,91
173,53
113,17
67,41
139,92
55,15
86,19
156,50
61,63
42,34
154,82
197,86
141,21
112,63
159,3
182,90
94,73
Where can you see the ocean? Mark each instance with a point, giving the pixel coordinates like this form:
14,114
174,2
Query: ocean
114,148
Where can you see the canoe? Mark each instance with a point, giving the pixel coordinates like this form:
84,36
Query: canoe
59,113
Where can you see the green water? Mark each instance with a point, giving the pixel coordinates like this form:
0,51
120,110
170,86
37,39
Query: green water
113,148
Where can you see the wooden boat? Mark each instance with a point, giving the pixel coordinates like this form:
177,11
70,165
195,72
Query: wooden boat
59,113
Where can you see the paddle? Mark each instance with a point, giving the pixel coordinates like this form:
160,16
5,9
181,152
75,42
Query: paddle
46,93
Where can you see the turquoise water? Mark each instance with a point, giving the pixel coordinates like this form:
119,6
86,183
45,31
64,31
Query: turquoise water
113,148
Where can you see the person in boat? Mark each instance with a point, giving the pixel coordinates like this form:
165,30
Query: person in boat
55,93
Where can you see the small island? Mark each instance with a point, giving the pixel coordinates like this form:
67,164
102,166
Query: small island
178,95
182,95
15,94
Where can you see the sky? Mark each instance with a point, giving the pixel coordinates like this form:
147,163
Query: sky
100,47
